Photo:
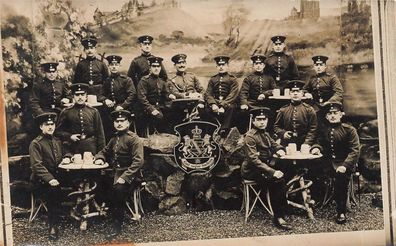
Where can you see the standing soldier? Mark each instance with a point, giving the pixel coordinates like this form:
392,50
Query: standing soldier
140,65
280,65
46,154
221,95
323,86
90,70
296,122
80,125
124,153
50,94
339,143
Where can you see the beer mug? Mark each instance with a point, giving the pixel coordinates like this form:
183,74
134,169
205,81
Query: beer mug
89,158
276,92
292,148
77,159
305,149
287,92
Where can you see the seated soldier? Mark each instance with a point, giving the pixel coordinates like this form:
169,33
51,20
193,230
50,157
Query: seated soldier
124,153
221,95
154,97
339,143
259,150
46,154
296,122
80,125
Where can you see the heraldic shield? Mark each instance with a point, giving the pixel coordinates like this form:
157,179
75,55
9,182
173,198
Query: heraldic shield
197,151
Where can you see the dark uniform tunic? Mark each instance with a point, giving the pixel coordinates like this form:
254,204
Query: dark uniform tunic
340,146
119,89
84,120
253,85
183,83
46,96
259,148
93,72
281,67
324,87
124,153
140,67
300,119
45,155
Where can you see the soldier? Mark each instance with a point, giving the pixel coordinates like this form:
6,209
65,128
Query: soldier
221,95
90,70
296,122
80,125
49,95
124,153
339,143
259,149
45,155
140,65
323,86
255,88
280,65
153,96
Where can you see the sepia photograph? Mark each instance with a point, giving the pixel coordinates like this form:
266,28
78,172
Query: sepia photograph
139,122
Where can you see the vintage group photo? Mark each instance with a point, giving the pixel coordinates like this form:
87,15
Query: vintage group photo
137,121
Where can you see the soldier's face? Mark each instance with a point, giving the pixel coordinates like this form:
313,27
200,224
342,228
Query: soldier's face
222,68
80,98
181,66
47,128
155,69
334,116
296,95
279,47
114,67
90,51
260,122
51,75
320,67
121,124
258,66
146,47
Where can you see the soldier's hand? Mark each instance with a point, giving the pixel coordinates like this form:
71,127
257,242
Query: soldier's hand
155,112
341,169
99,162
120,181
119,108
308,95
221,110
109,103
53,182
66,160
75,137
288,135
244,107
281,152
172,97
261,97
215,108
200,105
278,174
315,151
65,100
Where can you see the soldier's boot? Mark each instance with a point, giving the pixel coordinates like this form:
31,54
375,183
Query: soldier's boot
53,233
115,230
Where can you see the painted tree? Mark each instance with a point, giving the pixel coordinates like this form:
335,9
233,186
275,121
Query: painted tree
235,16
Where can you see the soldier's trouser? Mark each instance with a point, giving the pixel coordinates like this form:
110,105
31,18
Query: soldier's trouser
225,119
117,196
50,194
88,144
341,190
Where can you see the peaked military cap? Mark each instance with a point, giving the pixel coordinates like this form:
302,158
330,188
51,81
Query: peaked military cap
145,39
261,112
221,59
278,39
179,58
113,58
121,115
258,58
155,60
295,84
332,106
49,66
320,59
49,118
79,88
89,41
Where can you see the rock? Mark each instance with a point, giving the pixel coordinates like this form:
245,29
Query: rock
233,141
173,205
174,183
154,190
370,165
162,142
161,164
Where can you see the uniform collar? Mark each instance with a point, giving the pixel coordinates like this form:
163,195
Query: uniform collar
321,74
223,74
91,58
79,105
146,54
180,73
259,73
114,75
47,136
49,81
120,133
296,103
334,125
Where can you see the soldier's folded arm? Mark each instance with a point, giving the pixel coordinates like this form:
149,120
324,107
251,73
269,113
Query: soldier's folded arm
253,156
244,92
99,131
232,96
313,123
36,162
34,99
280,132
142,96
197,85
354,146
338,90
131,92
209,94
136,148
173,89
60,130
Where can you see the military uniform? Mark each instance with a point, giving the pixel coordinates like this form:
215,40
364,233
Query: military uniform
119,89
281,67
184,83
93,72
253,85
84,120
140,67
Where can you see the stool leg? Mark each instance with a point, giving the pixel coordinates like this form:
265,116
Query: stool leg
247,208
32,208
139,198
243,198
267,195
304,194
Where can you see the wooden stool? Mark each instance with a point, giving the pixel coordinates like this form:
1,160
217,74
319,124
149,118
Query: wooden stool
36,204
351,198
251,193
137,203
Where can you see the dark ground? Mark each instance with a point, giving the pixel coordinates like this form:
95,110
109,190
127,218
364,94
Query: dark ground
198,225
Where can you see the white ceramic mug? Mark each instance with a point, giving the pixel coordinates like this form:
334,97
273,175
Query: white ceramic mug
276,92
287,92
92,99
89,158
292,148
77,159
305,149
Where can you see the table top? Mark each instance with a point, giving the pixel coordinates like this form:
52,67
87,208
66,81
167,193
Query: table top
299,156
284,97
90,104
74,166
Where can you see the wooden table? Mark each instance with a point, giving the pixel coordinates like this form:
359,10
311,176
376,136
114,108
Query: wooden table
298,183
85,204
